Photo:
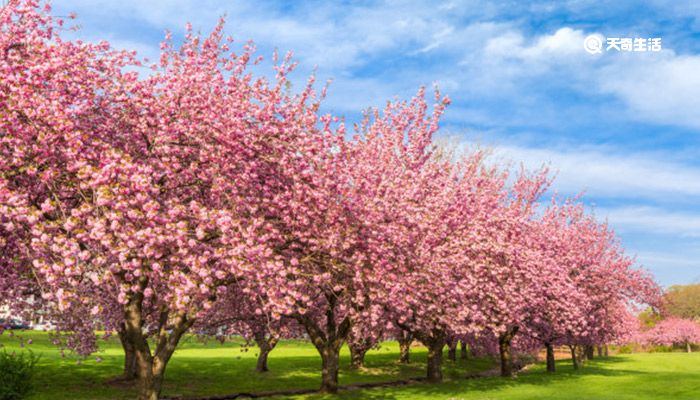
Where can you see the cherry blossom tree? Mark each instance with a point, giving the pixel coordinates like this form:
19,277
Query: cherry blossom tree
612,286
508,265
675,331
446,246
48,102
332,241
150,189
363,336
555,311
241,312
417,291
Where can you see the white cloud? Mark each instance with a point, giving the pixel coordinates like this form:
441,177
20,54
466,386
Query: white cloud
609,174
486,55
661,87
681,267
667,259
438,39
511,64
565,42
653,220
338,40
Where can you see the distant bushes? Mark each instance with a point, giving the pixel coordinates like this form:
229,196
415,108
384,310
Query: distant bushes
630,348
627,349
16,372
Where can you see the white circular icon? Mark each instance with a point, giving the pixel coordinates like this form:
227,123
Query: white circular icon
593,44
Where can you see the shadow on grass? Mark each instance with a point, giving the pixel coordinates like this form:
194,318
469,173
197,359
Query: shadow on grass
225,376
488,386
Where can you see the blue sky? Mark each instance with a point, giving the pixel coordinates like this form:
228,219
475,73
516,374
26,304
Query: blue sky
623,127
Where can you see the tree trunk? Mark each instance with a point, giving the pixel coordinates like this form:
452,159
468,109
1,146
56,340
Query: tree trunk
504,347
599,349
687,347
574,358
357,356
435,347
261,365
359,346
405,339
452,351
150,367
605,350
328,339
129,372
589,352
265,344
150,384
329,373
463,354
551,366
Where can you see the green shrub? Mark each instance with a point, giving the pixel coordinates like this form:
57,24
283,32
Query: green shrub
662,349
523,360
625,349
16,371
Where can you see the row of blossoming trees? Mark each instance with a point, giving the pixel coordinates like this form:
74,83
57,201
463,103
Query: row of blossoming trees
199,198
671,331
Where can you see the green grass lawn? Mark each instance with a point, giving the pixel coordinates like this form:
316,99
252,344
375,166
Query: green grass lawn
199,369
642,376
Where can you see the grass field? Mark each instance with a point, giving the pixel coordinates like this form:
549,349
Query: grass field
199,369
